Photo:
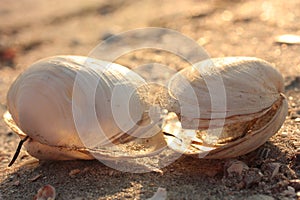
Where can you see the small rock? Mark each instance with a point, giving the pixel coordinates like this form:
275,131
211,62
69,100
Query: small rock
16,183
7,55
252,177
297,119
235,167
45,193
240,185
284,134
236,175
35,178
271,169
289,192
288,39
86,169
160,194
260,197
295,184
291,189
74,172
111,172
11,177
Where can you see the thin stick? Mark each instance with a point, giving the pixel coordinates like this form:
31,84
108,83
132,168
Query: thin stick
18,151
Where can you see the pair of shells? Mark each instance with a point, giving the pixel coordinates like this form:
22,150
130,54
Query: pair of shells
218,108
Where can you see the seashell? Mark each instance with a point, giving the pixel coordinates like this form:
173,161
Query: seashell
49,102
217,108
224,107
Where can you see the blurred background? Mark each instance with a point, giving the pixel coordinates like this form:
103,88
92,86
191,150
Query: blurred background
31,30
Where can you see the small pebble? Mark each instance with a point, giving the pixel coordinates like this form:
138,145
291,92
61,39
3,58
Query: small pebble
7,55
276,169
35,178
288,39
11,177
297,119
291,189
252,177
111,172
74,172
236,167
16,183
86,169
47,192
284,134
289,192
160,194
271,169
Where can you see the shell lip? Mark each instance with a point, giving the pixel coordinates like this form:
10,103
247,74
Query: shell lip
8,119
150,146
231,148
267,131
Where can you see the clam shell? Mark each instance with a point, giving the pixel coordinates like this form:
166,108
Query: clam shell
41,105
228,106
218,108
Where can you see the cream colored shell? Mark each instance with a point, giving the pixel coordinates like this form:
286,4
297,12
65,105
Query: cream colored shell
40,105
250,106
218,108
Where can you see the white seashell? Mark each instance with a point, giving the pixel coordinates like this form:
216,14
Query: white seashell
218,108
239,99
41,105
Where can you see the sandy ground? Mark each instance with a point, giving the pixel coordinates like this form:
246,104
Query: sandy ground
31,30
